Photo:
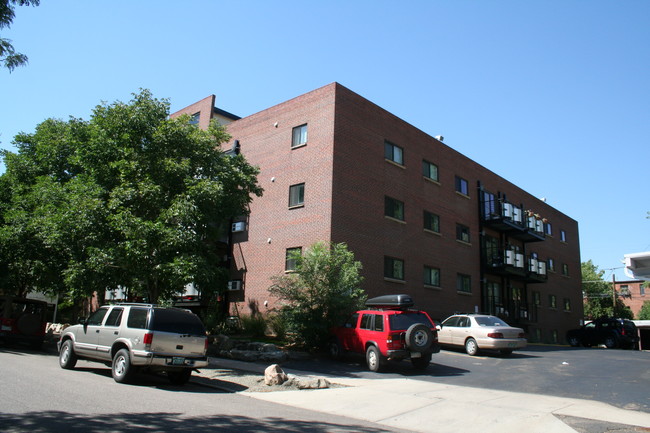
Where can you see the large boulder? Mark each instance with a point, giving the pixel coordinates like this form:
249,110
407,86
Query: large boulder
274,375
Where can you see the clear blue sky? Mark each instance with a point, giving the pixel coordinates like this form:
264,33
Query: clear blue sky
552,95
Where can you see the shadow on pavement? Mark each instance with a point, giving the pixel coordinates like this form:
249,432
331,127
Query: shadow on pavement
56,421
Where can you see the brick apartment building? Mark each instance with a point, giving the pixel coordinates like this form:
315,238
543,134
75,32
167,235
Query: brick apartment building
422,218
633,294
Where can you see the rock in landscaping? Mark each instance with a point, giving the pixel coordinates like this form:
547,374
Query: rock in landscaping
274,375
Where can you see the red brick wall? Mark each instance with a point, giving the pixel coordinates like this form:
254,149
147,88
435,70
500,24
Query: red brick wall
636,299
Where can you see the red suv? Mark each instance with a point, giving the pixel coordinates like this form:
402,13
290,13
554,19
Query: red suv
387,330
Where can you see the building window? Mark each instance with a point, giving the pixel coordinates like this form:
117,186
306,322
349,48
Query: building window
394,208
641,289
552,302
554,335
551,265
431,276
429,170
562,235
291,258
393,152
299,136
567,304
194,118
537,299
464,283
297,195
393,268
565,269
462,186
548,229
431,222
462,233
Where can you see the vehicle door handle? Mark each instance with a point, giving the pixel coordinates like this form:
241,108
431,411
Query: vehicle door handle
115,332
97,331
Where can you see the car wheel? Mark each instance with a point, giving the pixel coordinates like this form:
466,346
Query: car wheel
610,342
422,362
374,359
67,357
471,347
574,342
419,337
335,349
179,377
121,367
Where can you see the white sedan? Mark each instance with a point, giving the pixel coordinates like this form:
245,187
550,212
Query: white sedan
479,331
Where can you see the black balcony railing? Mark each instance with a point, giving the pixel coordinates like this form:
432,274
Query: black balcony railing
510,219
514,264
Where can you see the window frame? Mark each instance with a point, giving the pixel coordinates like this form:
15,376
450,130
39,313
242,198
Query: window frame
461,231
428,273
289,263
463,283
390,268
300,188
434,219
426,171
299,136
392,206
393,153
459,183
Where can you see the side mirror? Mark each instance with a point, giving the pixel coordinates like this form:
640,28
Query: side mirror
438,327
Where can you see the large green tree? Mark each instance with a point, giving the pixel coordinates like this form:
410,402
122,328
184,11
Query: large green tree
8,55
130,198
599,295
322,291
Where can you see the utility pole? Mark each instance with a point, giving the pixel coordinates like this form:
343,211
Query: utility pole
614,294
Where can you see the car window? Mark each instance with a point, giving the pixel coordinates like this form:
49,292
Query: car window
402,321
490,321
137,318
463,322
379,322
366,321
97,317
176,321
115,317
590,325
352,321
452,321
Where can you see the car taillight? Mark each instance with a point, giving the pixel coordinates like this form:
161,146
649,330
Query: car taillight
148,338
394,341
522,335
7,324
495,335
205,348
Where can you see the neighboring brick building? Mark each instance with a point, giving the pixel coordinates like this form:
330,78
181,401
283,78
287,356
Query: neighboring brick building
633,294
422,218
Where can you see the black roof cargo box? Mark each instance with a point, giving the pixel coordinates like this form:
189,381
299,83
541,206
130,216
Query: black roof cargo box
391,301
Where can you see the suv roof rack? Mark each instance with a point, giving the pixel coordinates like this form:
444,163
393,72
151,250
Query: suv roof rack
391,302
136,304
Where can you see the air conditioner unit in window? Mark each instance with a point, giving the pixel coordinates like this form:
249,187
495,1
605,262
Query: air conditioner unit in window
238,227
234,285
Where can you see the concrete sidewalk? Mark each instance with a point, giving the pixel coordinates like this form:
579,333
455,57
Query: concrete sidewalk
423,406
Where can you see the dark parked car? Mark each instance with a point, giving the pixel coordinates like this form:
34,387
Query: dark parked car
609,332
22,320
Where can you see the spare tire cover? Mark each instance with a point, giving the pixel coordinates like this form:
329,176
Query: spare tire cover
419,337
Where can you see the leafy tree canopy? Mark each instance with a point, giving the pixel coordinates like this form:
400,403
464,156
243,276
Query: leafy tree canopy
8,55
644,313
129,198
599,295
320,294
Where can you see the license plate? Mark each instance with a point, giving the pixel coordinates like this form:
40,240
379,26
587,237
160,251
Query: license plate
416,355
178,361
512,344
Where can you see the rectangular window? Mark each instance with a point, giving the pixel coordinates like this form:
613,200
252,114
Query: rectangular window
565,269
115,317
431,222
431,276
137,318
291,258
429,170
462,233
562,235
567,304
393,152
394,208
641,289
551,265
194,118
537,299
548,229
462,186
299,136
552,301
393,268
297,195
464,283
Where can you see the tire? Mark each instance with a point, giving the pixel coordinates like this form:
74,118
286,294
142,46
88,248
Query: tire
611,342
67,357
179,377
574,341
419,337
374,359
471,347
121,368
335,349
422,362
